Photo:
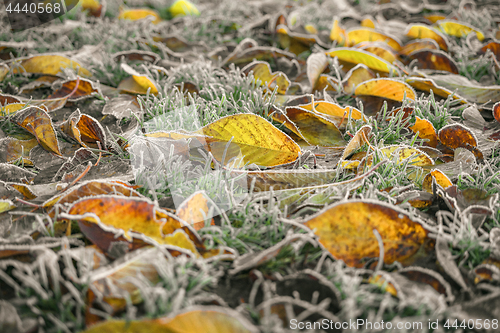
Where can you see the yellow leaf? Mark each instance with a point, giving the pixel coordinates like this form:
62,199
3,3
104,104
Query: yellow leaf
454,28
421,31
51,64
346,231
358,35
4,70
360,73
138,14
357,56
386,88
183,8
257,140
337,34
262,72
439,176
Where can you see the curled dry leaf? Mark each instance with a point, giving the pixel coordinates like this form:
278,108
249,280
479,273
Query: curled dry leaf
84,129
122,106
425,130
346,230
296,42
457,135
432,278
356,56
428,85
316,64
473,92
337,34
434,59
421,31
357,141
36,121
339,115
88,189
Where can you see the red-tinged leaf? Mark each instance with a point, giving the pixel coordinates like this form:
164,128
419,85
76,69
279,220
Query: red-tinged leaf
84,129
457,135
72,92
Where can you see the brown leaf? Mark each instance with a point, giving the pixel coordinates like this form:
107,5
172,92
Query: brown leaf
434,59
456,135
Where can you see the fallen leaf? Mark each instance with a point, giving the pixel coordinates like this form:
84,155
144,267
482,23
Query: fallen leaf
195,210
456,29
36,121
418,45
356,56
257,140
337,34
357,141
195,319
262,72
425,130
386,88
183,8
422,31
85,89
439,177
345,229
140,13
473,92
360,73
138,83
456,135
12,150
316,64
358,35
84,129
435,60
51,64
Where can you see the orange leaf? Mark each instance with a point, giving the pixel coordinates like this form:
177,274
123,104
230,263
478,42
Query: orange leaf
457,135
195,210
386,88
345,229
12,149
212,319
133,219
84,128
85,89
36,121
426,131
440,178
